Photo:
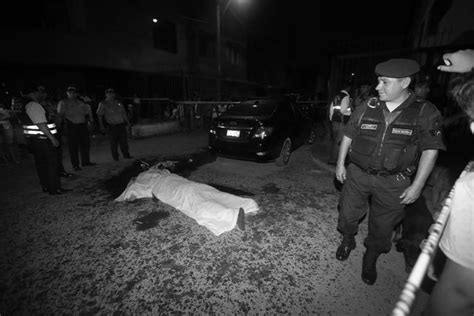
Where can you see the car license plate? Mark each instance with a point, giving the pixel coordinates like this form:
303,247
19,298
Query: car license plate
233,133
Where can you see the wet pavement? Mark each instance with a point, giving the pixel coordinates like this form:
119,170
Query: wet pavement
83,253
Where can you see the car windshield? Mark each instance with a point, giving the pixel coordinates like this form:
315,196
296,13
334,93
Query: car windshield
253,108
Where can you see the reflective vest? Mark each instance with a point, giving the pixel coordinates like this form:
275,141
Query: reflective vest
337,115
394,148
31,130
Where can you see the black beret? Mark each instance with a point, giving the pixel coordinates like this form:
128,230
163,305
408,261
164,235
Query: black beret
397,68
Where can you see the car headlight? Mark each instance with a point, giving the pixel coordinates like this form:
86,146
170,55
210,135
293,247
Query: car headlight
262,132
212,131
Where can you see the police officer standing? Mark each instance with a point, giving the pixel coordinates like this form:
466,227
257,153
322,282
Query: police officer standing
339,114
116,118
53,116
77,115
389,139
41,136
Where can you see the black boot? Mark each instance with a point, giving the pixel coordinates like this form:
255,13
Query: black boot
347,245
369,267
241,219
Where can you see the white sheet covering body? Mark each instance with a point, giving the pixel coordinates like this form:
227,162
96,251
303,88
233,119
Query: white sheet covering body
215,210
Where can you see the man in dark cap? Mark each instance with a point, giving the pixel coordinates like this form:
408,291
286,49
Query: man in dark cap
390,139
41,135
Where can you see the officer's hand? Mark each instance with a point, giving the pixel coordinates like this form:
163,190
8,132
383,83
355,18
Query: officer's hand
55,142
411,194
460,61
341,173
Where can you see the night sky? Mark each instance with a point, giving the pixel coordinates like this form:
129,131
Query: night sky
332,17
309,25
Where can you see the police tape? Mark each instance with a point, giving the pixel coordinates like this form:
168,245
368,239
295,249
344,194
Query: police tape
413,283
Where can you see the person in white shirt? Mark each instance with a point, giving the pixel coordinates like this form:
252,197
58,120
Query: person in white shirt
77,115
41,136
339,113
453,294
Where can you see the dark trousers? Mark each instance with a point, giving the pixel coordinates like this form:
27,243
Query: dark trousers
118,136
385,213
59,151
46,160
78,141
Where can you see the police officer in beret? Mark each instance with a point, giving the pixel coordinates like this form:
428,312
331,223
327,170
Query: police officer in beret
390,139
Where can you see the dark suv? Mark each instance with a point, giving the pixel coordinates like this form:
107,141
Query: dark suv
261,130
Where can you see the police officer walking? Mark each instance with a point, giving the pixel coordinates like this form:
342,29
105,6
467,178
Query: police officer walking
389,139
77,116
41,136
116,118
339,114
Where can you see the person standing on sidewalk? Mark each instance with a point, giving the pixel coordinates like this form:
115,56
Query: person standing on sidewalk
77,115
339,114
388,139
115,116
41,137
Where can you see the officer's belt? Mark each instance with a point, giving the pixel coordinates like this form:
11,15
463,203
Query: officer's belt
384,172
379,172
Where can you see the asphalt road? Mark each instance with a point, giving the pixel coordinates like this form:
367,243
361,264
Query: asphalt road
83,253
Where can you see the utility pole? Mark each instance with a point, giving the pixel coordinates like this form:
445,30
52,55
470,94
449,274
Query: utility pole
218,49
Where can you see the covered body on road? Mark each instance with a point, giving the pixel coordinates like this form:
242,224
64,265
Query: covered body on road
217,211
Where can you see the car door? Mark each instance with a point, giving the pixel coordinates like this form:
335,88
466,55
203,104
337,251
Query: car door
302,125
285,118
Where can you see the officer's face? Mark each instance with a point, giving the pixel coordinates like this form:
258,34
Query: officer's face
390,89
71,94
110,94
38,95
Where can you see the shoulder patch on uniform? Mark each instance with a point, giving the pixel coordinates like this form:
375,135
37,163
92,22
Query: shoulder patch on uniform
402,131
372,127
372,102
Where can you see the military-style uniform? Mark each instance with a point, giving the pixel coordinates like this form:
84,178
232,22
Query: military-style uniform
384,154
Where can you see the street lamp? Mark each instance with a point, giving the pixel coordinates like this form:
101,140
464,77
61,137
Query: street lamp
218,42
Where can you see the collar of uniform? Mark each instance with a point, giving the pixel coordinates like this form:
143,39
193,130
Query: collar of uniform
404,104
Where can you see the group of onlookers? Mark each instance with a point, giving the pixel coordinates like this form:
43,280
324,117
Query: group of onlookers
36,123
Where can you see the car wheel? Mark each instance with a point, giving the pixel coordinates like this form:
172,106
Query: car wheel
285,153
312,136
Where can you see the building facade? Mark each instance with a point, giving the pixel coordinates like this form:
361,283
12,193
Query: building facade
151,48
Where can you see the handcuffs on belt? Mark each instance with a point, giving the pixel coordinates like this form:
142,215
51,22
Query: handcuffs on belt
399,175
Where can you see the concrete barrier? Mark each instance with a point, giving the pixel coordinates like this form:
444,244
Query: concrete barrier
153,129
